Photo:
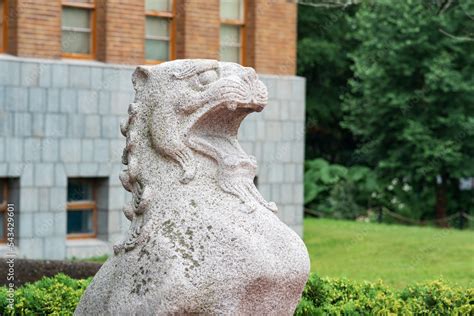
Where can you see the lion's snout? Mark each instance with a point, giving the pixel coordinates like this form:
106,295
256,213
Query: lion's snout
256,90
245,89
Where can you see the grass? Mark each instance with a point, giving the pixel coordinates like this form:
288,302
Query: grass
398,255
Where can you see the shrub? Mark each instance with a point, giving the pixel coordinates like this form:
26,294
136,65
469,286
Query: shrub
325,296
336,190
351,192
58,295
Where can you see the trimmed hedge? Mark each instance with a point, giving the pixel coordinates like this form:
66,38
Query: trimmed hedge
326,296
59,295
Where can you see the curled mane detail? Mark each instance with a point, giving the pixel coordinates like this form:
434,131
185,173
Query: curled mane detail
134,129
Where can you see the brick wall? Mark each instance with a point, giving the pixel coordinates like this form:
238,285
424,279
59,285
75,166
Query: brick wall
180,29
250,17
272,40
11,25
198,29
35,31
35,28
121,30
101,35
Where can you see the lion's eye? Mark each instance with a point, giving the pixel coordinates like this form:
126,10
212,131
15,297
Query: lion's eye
207,77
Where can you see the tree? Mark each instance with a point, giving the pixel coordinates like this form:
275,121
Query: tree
323,45
411,102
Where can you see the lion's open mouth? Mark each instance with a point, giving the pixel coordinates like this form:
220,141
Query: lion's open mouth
215,132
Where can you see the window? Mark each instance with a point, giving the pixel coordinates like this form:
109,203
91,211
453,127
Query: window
232,30
159,30
3,209
3,25
81,208
78,29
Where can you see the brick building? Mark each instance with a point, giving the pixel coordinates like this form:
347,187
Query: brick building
65,84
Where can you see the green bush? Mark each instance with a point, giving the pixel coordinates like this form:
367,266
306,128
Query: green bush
338,191
325,296
343,192
58,295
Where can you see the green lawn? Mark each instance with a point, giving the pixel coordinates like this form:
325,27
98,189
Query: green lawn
398,255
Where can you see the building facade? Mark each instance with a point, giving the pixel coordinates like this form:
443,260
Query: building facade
65,85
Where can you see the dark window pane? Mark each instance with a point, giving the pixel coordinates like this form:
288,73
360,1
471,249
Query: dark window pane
156,50
76,30
158,5
76,18
75,42
231,9
230,35
230,43
79,191
79,222
157,28
230,53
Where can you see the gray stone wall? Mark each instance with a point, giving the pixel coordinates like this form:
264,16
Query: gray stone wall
276,137
60,119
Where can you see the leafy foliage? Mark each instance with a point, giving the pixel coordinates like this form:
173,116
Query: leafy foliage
58,295
337,190
390,87
412,95
325,296
322,59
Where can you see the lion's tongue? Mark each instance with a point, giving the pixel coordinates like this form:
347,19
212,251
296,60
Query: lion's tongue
218,147
226,146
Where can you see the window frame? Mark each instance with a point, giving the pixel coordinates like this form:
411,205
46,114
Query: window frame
4,209
73,206
242,26
4,30
171,16
92,10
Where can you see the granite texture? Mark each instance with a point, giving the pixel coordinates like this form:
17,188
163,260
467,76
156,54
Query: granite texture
202,239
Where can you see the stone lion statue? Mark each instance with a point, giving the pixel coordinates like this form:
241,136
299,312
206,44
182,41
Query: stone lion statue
202,239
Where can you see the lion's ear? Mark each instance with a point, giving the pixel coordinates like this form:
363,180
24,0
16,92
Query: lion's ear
140,76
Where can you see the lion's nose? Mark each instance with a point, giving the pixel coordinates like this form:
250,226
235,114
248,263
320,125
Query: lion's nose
250,78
